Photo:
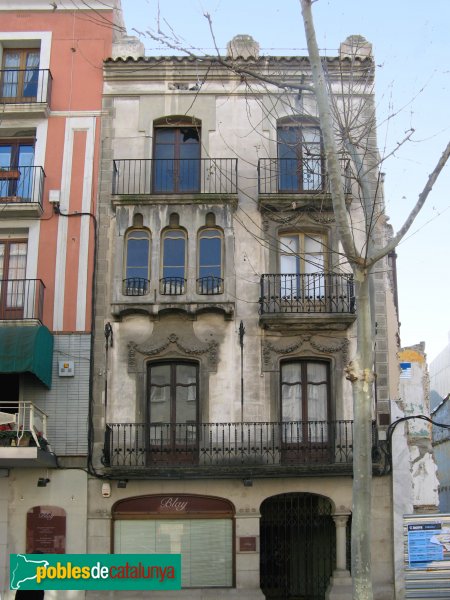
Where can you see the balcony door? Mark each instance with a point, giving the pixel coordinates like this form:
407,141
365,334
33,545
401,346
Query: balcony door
304,410
173,412
20,73
176,160
302,265
300,158
16,170
13,262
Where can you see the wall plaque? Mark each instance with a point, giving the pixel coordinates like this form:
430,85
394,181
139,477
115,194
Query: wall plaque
247,544
46,530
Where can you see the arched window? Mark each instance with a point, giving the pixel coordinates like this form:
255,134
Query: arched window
173,280
210,278
137,262
176,156
300,157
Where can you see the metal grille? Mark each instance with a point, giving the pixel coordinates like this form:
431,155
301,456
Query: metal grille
298,547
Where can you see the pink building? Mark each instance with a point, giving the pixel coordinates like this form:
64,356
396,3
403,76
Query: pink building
51,58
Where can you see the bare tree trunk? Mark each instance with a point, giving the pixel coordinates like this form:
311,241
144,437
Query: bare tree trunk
360,372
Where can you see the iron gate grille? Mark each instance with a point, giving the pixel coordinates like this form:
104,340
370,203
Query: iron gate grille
298,547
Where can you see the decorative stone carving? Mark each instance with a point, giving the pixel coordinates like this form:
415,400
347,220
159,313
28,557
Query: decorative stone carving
321,218
322,344
173,342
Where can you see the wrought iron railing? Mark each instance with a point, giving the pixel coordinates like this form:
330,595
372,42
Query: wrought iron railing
22,184
135,286
172,286
22,86
307,175
210,285
174,176
307,293
229,444
21,299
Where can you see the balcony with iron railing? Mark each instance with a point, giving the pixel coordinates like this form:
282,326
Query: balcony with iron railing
319,297
191,295
304,178
23,436
168,177
261,449
25,91
21,190
21,299
173,286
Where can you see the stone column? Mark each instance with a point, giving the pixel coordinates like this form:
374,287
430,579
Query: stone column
340,587
247,554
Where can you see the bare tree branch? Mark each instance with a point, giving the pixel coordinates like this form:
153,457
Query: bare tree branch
415,211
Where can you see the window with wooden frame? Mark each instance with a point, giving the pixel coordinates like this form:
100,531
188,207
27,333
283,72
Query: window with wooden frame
304,405
176,157
13,263
173,409
20,74
300,157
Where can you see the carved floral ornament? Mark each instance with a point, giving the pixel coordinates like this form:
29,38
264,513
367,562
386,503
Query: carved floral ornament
294,218
306,343
191,347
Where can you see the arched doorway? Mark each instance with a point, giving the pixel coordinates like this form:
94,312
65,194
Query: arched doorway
298,546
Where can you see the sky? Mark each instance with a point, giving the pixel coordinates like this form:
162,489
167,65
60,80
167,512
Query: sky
411,42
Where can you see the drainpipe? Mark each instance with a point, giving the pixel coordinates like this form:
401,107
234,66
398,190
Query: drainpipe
241,343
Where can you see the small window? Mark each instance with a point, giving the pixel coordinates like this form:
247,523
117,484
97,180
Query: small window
20,73
137,261
210,279
300,160
173,279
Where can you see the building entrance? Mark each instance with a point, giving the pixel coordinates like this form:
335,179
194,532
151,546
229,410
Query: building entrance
298,546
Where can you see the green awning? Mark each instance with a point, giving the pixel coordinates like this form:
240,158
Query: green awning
27,349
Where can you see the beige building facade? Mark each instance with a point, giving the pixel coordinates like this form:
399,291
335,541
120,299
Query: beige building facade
225,318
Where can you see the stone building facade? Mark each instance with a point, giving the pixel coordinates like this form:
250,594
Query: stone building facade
225,319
